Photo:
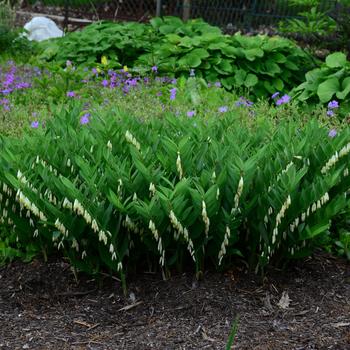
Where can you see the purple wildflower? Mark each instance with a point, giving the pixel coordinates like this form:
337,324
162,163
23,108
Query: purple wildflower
34,124
85,119
275,95
154,69
223,109
191,114
218,84
330,113
283,100
70,94
104,83
333,104
244,102
332,133
173,94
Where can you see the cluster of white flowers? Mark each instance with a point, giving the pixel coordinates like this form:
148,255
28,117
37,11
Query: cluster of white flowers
311,209
180,230
224,244
51,198
44,164
112,251
205,218
67,204
60,227
24,181
152,189
4,205
120,186
269,213
81,211
26,203
161,250
238,193
131,226
335,158
280,215
179,165
75,245
284,170
131,139
7,190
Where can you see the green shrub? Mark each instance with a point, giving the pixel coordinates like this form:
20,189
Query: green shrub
7,34
259,64
121,191
313,24
331,80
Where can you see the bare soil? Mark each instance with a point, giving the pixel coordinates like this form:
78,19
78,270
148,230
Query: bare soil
43,307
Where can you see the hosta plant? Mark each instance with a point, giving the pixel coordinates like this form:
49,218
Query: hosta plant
331,80
115,192
258,64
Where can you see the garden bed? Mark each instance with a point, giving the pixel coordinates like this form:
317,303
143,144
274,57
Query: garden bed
42,307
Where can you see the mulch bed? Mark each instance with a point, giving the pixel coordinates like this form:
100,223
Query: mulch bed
43,307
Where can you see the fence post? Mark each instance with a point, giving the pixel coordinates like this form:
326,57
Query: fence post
186,14
249,16
159,8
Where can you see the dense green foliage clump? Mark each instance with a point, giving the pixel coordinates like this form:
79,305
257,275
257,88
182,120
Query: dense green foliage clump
117,191
259,64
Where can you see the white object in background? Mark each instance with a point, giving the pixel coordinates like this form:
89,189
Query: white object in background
42,28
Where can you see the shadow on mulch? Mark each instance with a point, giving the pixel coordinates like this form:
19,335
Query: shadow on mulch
306,307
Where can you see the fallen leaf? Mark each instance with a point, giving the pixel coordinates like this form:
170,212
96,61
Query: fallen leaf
284,301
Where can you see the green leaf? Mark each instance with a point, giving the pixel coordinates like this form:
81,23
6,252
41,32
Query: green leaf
240,77
313,231
201,53
251,80
327,89
252,54
336,59
346,89
189,60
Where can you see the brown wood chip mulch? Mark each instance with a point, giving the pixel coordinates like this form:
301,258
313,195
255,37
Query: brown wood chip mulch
305,307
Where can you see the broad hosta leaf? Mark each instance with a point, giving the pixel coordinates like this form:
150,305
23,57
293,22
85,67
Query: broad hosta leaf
251,80
327,89
336,59
346,89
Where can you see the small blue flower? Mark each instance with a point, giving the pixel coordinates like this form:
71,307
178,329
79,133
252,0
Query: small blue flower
333,104
223,109
191,114
283,100
332,133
